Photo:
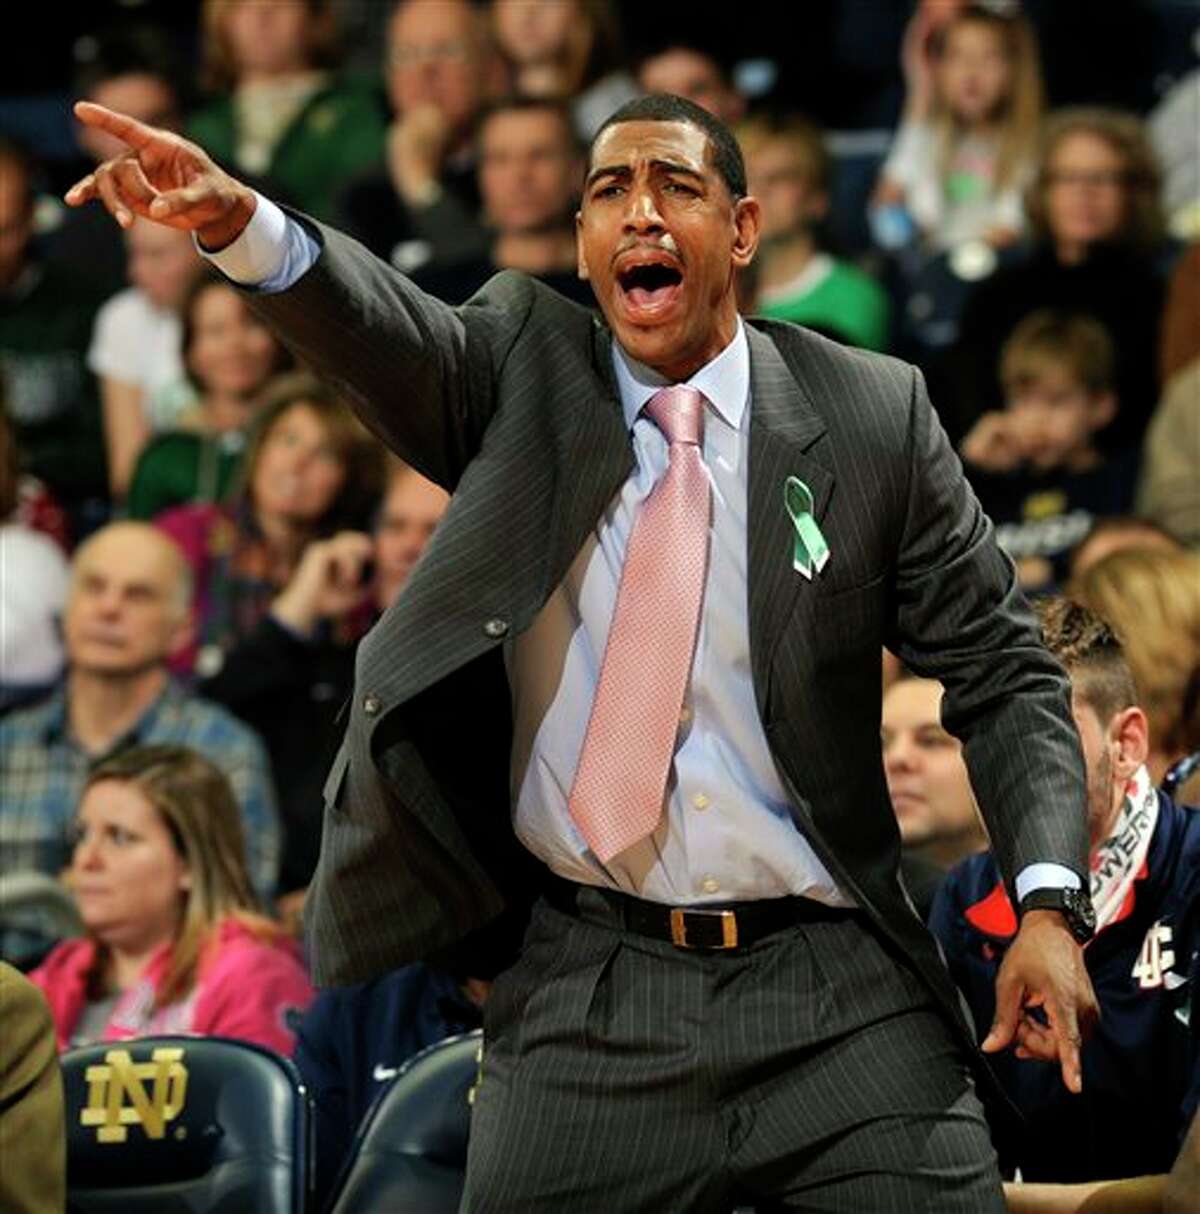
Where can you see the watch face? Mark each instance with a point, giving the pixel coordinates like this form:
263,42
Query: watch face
1079,905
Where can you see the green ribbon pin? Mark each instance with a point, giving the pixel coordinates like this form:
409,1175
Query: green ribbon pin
811,551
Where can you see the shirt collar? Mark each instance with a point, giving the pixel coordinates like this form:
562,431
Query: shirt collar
725,381
57,725
53,713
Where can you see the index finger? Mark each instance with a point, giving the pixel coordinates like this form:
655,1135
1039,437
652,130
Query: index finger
129,130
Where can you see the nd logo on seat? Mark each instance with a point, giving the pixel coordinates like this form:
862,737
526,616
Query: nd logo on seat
119,1079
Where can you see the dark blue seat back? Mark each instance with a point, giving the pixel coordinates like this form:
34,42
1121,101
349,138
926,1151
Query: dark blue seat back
1179,773
184,1124
410,1155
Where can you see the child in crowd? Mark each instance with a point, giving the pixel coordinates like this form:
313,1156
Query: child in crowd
966,146
1036,465
230,356
788,171
135,351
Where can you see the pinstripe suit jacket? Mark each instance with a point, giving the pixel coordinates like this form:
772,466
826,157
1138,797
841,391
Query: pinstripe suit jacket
509,402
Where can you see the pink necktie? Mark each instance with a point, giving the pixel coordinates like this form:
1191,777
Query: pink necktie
617,797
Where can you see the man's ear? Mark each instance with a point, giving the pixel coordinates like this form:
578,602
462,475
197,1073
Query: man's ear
581,263
1129,736
747,221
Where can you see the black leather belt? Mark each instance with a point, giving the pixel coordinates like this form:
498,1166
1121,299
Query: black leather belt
736,925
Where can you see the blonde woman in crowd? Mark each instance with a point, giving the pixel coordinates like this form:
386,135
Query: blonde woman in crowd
1151,599
174,943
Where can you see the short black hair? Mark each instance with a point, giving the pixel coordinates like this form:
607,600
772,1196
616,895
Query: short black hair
666,107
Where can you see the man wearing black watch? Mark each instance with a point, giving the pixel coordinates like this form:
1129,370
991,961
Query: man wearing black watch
1138,923
1075,906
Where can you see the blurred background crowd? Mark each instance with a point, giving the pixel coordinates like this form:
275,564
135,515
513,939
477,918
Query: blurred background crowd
195,532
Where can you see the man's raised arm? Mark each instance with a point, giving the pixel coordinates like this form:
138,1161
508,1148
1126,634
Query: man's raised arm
395,353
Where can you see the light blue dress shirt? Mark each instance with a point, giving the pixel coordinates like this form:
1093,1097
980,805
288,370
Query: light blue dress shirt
727,833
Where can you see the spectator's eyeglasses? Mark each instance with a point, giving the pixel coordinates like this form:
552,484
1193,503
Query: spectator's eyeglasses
441,52
1098,179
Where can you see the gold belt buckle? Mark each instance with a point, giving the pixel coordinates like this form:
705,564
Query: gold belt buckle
729,933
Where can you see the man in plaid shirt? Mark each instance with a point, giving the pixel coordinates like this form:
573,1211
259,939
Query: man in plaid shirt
127,612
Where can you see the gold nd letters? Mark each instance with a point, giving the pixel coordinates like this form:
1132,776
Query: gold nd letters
119,1079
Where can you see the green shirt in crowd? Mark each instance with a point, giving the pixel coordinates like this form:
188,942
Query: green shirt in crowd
835,298
338,132
179,468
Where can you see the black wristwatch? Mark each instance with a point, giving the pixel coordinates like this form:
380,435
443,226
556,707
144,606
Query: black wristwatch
1075,906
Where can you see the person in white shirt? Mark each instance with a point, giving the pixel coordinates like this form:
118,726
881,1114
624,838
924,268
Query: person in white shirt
135,351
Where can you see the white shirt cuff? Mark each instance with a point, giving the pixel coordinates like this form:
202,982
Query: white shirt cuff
1045,876
272,253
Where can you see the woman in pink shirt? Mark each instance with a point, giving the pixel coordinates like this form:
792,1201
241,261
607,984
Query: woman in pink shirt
174,943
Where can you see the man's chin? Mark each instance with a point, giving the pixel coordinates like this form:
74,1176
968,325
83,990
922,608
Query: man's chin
914,837
648,342
114,666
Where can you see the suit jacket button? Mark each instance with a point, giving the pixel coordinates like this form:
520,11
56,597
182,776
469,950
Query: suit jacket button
371,705
495,628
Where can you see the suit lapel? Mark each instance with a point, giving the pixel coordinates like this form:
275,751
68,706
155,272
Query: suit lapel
598,459
784,425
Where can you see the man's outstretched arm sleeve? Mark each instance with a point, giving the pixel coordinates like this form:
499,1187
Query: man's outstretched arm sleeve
961,618
399,356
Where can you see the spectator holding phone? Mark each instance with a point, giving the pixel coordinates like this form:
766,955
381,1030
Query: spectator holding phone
293,658
311,471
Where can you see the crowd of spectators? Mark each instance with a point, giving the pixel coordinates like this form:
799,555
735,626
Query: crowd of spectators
195,533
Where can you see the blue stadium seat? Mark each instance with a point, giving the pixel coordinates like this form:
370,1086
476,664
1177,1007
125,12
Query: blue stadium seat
410,1155
180,1125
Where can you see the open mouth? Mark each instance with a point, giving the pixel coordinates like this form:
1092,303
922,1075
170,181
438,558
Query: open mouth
650,286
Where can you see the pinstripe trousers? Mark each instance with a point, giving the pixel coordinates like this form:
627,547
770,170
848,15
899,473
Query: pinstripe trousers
810,1071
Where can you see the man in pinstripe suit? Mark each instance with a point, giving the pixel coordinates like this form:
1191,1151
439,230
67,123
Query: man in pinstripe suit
740,1005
